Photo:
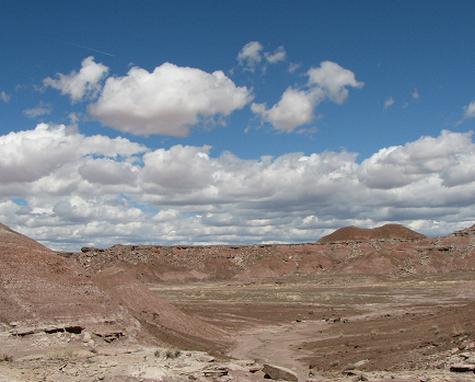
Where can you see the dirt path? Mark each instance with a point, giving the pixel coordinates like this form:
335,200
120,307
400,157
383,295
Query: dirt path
281,345
277,344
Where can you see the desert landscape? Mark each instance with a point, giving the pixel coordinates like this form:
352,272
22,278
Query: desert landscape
358,305
237,191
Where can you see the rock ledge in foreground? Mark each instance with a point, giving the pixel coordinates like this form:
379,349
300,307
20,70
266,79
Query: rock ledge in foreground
278,373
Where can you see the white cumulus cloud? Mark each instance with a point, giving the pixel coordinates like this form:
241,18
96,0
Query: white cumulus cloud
334,80
447,157
250,55
115,190
33,154
297,107
179,169
276,56
168,101
79,85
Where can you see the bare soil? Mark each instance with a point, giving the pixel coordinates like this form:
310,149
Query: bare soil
326,326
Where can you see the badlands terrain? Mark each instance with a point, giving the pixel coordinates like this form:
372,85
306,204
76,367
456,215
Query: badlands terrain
383,304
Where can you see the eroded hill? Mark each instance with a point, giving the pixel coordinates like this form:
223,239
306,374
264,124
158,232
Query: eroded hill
388,250
41,291
387,231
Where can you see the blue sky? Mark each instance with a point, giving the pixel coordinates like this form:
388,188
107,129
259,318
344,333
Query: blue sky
411,68
394,47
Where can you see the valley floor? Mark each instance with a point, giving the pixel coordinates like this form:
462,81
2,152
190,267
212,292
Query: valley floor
323,327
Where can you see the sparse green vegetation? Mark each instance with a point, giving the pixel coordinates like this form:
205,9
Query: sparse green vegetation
172,353
167,354
6,358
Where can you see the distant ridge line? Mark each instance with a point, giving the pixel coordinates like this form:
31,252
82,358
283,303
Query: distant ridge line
387,231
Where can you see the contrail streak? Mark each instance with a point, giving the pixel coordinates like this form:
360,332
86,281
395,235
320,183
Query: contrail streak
92,49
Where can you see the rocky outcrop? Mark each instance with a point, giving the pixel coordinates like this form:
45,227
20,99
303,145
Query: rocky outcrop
462,368
278,373
467,232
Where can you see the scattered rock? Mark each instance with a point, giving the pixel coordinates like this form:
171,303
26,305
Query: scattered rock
360,363
462,368
109,336
255,369
278,373
216,372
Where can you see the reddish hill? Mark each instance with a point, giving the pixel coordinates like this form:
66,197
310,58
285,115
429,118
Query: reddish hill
36,285
39,288
159,264
388,231
160,318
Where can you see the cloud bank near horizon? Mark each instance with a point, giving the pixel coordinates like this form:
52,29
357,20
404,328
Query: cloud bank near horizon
68,190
